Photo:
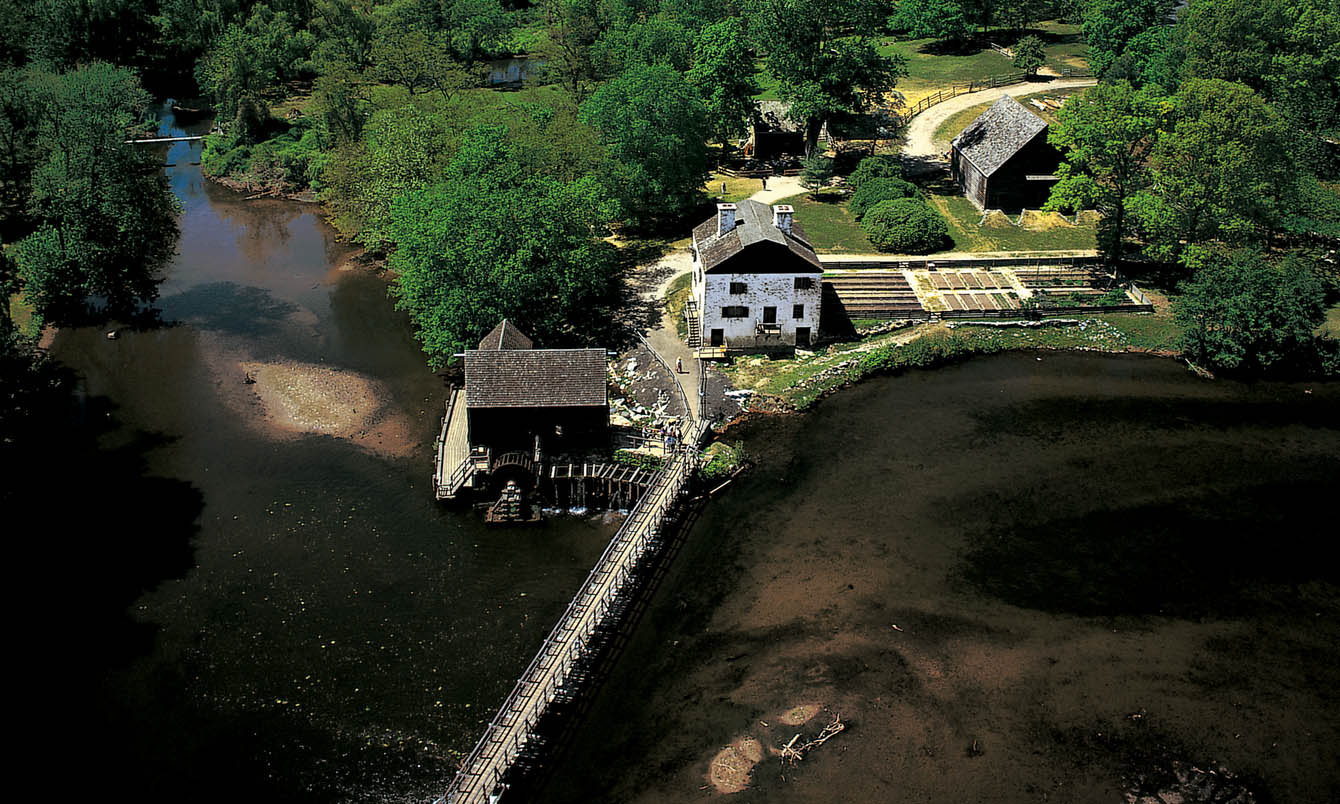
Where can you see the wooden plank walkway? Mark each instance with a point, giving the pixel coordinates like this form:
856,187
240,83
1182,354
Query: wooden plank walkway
480,778
453,448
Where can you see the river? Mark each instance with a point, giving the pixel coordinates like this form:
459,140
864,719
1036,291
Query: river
1021,578
312,626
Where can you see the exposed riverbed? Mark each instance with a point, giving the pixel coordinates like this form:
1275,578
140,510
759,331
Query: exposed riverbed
1016,579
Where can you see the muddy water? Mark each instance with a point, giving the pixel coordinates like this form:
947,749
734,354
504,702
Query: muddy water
1016,580
305,623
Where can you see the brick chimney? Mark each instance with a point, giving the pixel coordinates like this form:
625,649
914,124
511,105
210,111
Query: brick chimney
781,217
725,218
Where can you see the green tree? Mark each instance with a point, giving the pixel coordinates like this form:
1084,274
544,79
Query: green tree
1223,172
1028,55
658,40
823,56
723,73
1106,136
476,29
494,240
345,31
877,190
1286,50
572,28
1112,27
105,220
949,21
656,128
418,61
187,28
1240,312
402,151
816,172
905,226
247,62
340,100
880,166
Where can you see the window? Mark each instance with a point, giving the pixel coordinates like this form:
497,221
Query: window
734,312
769,315
797,311
737,288
804,283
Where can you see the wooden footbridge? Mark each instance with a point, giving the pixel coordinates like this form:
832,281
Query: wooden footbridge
555,672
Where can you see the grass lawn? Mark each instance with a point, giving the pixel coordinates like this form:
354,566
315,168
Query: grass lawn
676,296
1330,328
834,230
737,189
928,70
24,316
997,233
955,123
830,225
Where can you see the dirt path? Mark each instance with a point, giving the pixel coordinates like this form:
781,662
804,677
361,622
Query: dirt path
921,132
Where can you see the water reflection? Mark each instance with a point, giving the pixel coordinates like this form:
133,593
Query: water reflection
313,626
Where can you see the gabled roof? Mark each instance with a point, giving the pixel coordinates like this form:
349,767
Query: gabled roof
506,336
776,115
998,134
534,378
753,226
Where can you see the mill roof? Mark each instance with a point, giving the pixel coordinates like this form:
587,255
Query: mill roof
753,225
998,134
506,336
534,378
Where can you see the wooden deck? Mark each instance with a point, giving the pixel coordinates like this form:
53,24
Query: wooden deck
481,779
453,472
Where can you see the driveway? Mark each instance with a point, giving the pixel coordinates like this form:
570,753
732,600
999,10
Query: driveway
921,132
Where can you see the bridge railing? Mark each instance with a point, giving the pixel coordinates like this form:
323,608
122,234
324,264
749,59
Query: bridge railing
545,676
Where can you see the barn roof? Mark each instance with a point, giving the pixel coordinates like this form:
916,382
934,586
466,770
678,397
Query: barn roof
998,134
776,115
534,378
506,336
753,225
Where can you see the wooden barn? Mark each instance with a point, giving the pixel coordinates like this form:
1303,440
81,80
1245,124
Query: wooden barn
521,398
1002,160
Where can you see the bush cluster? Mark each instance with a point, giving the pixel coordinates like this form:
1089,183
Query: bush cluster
874,167
905,226
875,190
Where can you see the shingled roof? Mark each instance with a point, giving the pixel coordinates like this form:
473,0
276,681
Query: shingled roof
753,224
506,336
534,378
998,134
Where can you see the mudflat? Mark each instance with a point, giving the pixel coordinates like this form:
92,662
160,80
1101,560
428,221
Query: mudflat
1024,578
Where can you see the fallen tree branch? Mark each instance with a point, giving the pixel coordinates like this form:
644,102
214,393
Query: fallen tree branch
793,753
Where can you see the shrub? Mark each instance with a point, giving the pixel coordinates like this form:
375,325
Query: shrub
875,167
879,189
905,225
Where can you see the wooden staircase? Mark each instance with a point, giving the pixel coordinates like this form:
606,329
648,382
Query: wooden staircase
694,323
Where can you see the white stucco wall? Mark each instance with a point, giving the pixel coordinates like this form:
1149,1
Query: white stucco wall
712,292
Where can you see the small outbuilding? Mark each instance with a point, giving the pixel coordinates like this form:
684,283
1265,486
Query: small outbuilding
1002,160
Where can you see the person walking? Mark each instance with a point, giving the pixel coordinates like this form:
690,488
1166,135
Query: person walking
679,365
765,182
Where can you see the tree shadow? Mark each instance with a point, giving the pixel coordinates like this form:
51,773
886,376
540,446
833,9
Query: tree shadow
91,529
228,307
